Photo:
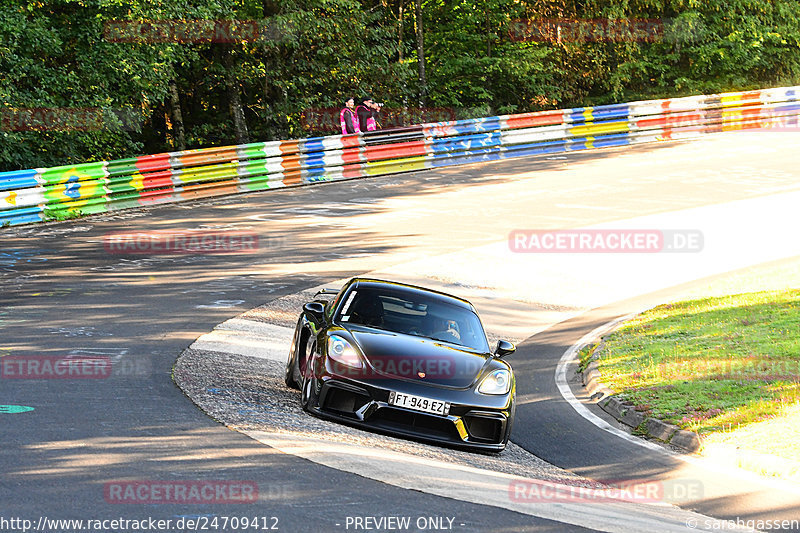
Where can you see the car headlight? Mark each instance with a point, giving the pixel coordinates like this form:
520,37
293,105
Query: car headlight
343,352
498,382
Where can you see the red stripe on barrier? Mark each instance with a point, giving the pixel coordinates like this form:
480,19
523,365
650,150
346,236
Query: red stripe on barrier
351,140
542,118
752,95
351,155
670,121
355,172
150,163
157,196
157,179
391,151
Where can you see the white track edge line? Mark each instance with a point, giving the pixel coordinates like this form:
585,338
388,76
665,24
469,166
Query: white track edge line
563,387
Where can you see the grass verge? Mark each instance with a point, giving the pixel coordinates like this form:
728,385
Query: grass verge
727,367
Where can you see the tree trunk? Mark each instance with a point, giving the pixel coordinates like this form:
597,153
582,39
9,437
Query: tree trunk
235,100
177,116
400,32
423,82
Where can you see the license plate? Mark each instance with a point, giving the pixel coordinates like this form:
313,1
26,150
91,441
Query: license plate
419,403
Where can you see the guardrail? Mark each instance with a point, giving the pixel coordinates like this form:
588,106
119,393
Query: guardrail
35,195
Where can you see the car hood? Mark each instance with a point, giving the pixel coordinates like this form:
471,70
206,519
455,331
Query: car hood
395,355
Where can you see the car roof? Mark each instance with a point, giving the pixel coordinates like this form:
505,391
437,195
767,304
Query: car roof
412,289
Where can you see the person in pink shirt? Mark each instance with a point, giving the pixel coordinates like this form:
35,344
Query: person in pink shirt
348,118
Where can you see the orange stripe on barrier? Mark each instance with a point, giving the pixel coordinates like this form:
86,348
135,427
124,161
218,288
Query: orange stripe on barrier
293,177
206,156
290,163
290,147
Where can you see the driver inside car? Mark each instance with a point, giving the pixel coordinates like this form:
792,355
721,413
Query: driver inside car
446,330
367,311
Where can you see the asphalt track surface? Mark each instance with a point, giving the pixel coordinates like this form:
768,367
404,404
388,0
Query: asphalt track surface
63,294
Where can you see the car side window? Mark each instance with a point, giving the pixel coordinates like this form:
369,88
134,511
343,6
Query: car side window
334,303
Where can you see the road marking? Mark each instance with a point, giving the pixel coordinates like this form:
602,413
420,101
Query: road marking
564,388
14,409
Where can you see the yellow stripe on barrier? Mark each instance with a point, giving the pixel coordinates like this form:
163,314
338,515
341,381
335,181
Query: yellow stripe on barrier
603,128
395,165
214,172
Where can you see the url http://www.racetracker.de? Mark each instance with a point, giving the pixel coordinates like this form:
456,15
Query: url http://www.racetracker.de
44,524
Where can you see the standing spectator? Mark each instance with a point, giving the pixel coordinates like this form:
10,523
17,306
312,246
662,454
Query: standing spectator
367,112
348,118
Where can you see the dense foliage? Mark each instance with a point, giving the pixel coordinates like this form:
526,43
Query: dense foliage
163,94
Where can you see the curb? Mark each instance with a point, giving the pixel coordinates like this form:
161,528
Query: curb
625,412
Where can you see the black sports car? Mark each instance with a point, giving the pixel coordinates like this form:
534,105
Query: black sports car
403,360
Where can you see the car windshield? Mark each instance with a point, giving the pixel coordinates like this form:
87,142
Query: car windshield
413,314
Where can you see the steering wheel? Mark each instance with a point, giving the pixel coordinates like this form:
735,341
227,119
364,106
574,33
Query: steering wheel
448,335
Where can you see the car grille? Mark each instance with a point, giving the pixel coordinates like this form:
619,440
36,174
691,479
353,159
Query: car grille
421,423
344,401
482,428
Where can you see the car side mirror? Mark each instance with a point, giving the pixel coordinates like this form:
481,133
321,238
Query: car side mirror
316,309
504,348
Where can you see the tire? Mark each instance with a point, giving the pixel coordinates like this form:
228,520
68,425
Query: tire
292,375
307,396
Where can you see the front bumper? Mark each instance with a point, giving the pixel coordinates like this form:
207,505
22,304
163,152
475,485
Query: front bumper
478,425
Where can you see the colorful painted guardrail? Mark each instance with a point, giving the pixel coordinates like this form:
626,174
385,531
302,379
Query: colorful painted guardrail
29,196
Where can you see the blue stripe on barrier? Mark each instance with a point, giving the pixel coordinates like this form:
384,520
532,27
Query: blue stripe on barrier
18,179
609,112
787,107
469,125
467,142
604,113
473,156
314,160
612,140
313,144
600,141
547,147
576,114
24,215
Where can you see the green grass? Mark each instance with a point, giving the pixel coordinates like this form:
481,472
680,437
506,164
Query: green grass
711,364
